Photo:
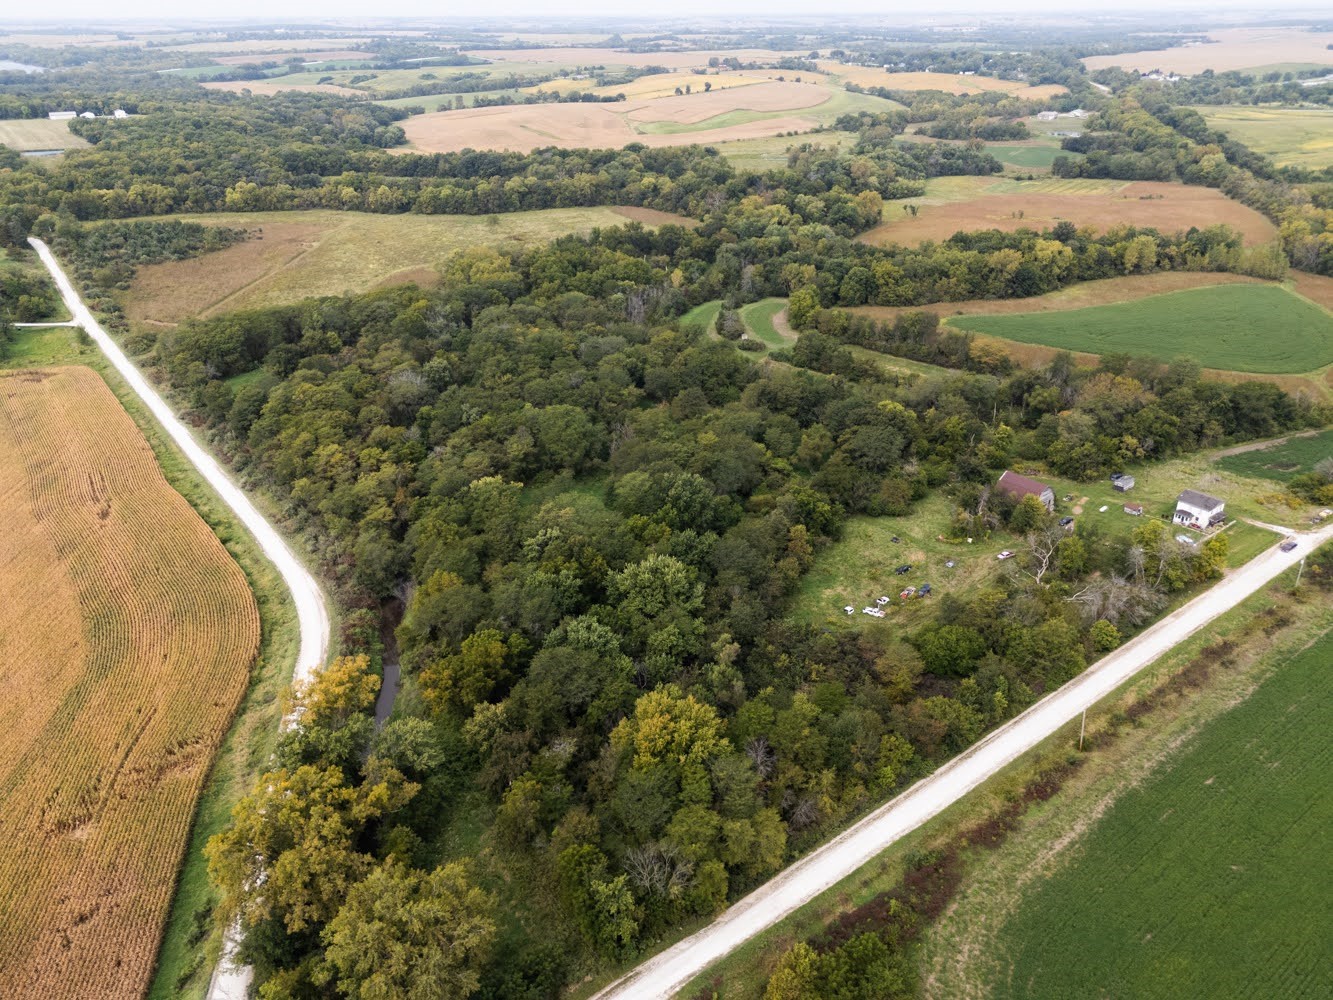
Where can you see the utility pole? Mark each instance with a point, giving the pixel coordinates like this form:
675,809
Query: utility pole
1299,570
1082,726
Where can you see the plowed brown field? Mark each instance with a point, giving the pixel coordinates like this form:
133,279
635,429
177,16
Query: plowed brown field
126,637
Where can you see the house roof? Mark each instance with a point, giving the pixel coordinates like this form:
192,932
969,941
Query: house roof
1020,486
1196,499
1133,506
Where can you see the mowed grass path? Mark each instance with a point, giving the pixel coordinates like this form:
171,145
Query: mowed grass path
1244,328
1209,880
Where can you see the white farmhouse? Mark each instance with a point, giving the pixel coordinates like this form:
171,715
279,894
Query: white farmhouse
1198,510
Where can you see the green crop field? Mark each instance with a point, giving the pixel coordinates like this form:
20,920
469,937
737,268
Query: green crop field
1300,137
1035,157
1210,879
1247,328
1284,461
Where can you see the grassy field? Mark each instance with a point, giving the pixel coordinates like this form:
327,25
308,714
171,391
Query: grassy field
759,317
1298,137
25,134
1281,462
1219,328
770,153
326,252
703,315
1204,880
144,630
954,204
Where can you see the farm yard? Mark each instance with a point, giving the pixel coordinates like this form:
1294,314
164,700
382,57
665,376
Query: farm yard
953,204
295,255
1198,882
1227,49
1215,327
114,708
1295,137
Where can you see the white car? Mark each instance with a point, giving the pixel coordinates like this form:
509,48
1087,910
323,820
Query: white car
850,610
1103,509
872,612
881,601
1006,554
1185,540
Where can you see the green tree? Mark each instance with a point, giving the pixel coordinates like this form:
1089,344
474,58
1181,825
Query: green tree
404,934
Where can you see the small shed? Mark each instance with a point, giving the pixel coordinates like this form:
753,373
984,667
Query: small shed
1019,487
120,113
1198,510
61,116
1123,484
1133,508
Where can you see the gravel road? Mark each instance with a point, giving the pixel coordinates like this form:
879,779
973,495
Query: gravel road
664,974
230,981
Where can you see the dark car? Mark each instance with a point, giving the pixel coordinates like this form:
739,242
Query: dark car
904,568
1065,522
1288,545
923,590
1115,476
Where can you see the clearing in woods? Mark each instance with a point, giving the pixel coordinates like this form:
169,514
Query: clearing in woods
1204,880
1293,137
953,204
126,638
326,252
27,134
1217,327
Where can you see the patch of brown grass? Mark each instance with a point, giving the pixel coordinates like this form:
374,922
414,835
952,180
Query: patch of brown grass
126,636
653,217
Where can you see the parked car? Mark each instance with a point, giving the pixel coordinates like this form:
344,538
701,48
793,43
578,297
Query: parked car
850,610
1116,476
881,601
908,594
1065,522
872,612
903,569
923,590
949,564
1185,540
1288,545
1006,554
895,539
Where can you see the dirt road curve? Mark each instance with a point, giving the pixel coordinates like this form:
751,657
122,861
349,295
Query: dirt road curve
663,975
312,614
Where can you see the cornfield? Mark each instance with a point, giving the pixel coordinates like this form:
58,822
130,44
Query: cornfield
126,637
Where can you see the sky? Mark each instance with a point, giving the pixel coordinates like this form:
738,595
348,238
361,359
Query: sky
99,11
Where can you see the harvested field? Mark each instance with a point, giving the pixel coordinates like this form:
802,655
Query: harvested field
267,88
690,109
26,134
323,55
1299,137
1229,48
950,83
300,254
657,85
615,57
953,204
126,637
1242,328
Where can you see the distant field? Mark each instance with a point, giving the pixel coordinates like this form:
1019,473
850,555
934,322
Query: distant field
951,83
1208,880
1229,48
26,134
1245,328
764,109
770,153
1301,137
1297,456
300,254
953,204
126,638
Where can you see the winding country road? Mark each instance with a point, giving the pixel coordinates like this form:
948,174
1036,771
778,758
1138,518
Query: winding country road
661,976
229,981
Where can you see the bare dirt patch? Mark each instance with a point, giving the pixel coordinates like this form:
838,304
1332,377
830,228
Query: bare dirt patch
1230,48
1003,204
